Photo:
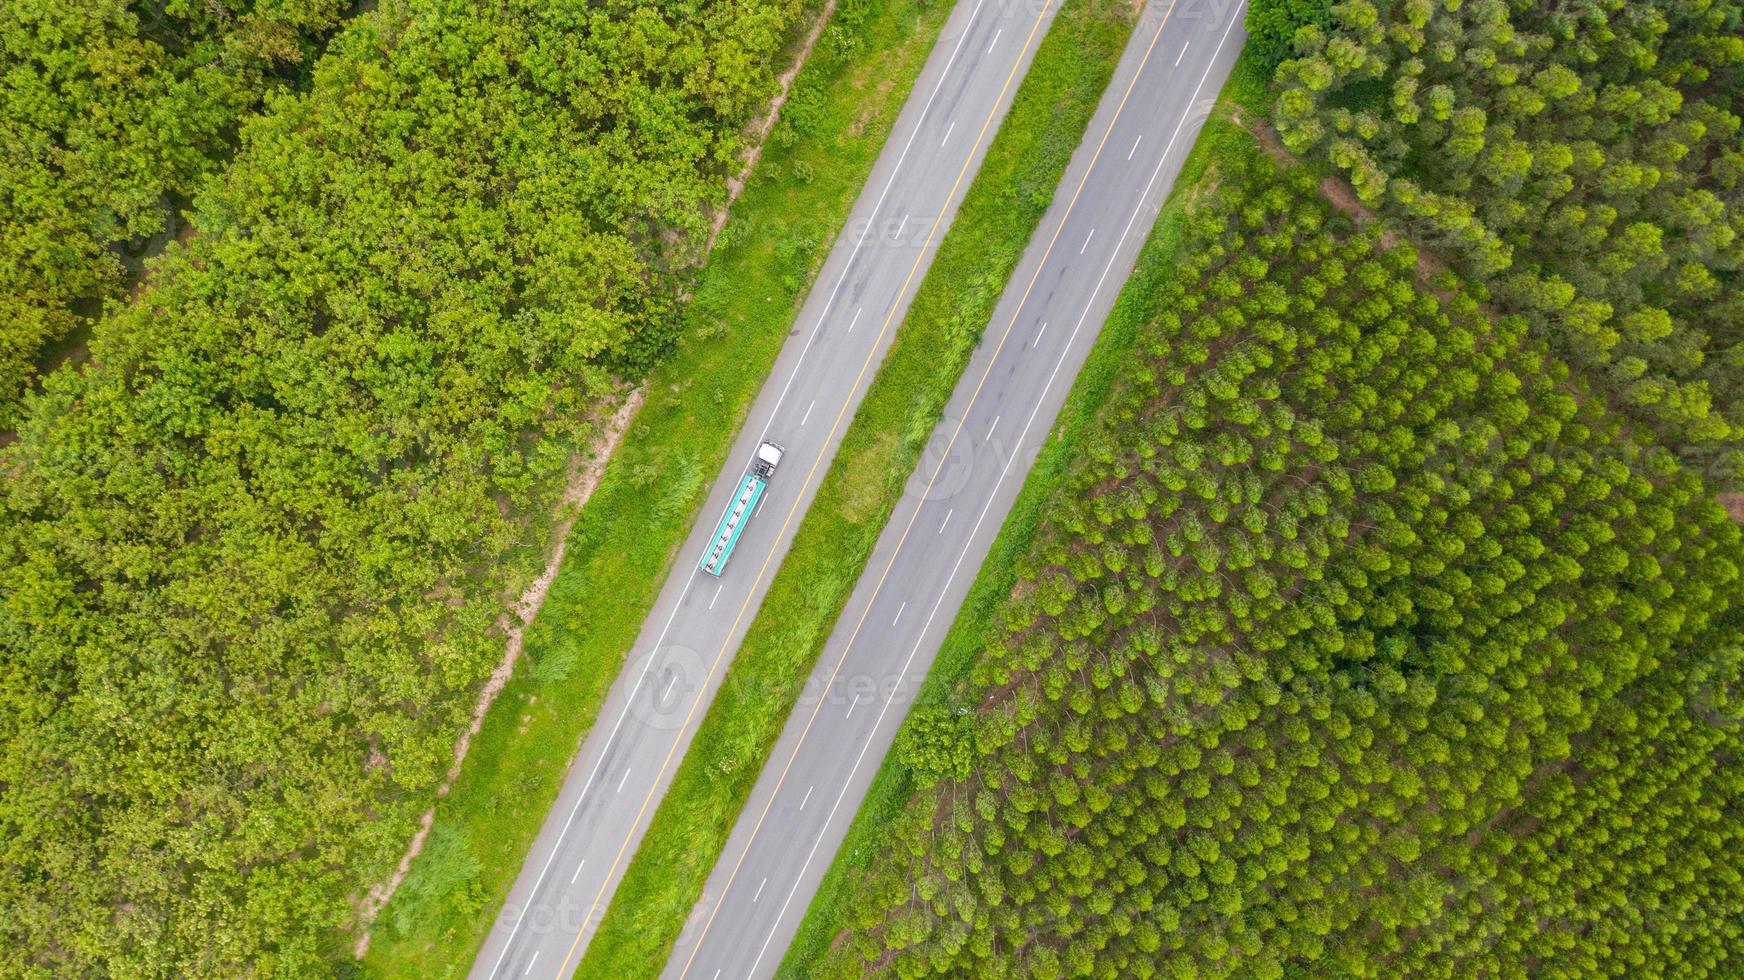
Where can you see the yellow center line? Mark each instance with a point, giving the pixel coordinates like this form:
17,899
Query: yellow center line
840,414
956,430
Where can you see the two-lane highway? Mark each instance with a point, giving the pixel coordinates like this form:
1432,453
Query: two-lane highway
924,562
671,674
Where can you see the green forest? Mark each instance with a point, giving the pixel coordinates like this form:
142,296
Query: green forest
1584,161
1384,622
255,551
111,115
1362,639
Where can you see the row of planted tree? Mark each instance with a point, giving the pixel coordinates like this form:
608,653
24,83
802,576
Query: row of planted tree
1584,160
1363,640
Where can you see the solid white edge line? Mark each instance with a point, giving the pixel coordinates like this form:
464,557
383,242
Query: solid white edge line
1006,469
896,169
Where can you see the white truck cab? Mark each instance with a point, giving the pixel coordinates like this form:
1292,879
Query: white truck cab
768,455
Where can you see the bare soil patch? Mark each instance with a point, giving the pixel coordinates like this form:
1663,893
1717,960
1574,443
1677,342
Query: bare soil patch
1734,504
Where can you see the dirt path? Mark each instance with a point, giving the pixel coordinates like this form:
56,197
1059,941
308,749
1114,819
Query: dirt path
1342,197
759,128
579,488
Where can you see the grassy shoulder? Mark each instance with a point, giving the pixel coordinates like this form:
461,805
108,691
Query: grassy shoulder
624,540
1220,141
1001,210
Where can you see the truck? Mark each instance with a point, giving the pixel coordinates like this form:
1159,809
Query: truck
740,508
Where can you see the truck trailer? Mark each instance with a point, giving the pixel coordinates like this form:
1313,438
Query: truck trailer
740,508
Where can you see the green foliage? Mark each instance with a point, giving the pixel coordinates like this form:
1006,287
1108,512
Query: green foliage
1582,161
1272,26
446,875
1412,676
110,117
937,742
254,555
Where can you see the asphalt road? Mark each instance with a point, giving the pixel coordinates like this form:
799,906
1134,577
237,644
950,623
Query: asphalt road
921,569
847,322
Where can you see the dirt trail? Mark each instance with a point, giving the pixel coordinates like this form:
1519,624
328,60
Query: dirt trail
1341,196
513,623
759,128
576,493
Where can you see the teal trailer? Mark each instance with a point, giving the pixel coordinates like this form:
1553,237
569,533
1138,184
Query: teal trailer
740,509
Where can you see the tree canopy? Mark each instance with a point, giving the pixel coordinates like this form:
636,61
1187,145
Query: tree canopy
1584,161
1364,639
111,114
253,555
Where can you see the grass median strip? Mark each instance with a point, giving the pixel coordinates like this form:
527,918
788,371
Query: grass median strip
813,166
1220,141
1001,210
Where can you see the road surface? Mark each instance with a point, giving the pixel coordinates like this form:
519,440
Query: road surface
941,530
843,330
